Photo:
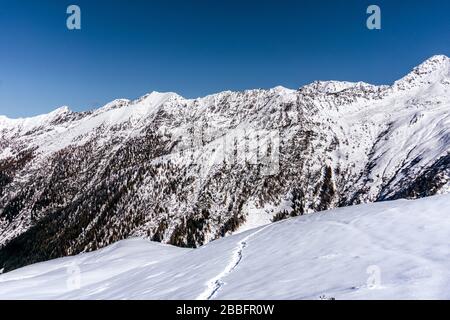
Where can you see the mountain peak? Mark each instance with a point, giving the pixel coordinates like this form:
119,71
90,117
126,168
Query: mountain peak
431,70
158,96
431,65
60,110
436,60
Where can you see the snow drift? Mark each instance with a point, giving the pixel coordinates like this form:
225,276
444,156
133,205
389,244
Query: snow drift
387,250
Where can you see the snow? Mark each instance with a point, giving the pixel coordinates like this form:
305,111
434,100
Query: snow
261,216
384,134
385,250
333,86
6,153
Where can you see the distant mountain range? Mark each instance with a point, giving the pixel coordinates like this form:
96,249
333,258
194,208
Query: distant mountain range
188,171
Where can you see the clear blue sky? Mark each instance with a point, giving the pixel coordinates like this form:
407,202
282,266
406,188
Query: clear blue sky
128,48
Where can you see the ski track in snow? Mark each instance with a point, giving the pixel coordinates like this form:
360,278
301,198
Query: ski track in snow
215,284
325,254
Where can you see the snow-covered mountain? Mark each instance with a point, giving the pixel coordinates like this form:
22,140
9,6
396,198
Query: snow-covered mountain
188,171
388,250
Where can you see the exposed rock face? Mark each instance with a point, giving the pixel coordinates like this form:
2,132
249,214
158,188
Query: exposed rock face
189,171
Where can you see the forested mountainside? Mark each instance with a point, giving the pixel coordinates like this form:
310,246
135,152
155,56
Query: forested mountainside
188,171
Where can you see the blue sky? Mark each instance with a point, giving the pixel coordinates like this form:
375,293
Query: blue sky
128,48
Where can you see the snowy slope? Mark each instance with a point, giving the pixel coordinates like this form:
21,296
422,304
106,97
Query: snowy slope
189,171
394,249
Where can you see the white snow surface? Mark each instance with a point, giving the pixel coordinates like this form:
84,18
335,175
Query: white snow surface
402,244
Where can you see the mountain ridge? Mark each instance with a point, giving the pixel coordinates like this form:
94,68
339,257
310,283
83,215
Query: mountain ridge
188,171
425,68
